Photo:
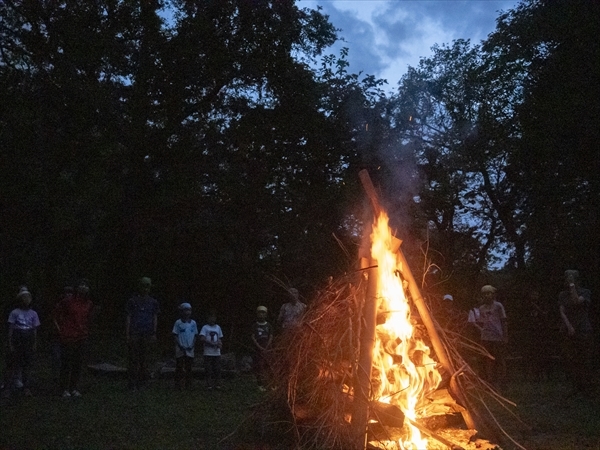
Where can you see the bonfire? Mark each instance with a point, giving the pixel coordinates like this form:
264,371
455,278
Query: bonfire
369,367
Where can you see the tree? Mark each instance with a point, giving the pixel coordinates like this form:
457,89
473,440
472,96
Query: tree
558,155
193,142
450,115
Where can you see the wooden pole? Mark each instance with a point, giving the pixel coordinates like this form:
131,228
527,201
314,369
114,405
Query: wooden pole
418,301
362,382
436,342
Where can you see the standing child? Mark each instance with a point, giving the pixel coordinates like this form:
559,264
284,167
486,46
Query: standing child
185,331
211,336
72,317
490,319
22,340
290,314
140,332
262,336
54,336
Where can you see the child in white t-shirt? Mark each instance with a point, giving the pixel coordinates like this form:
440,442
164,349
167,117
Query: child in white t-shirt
22,341
211,336
185,331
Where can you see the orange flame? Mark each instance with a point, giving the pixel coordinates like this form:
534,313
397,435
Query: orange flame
403,372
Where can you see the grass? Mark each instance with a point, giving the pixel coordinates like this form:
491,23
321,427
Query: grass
159,417
108,416
558,420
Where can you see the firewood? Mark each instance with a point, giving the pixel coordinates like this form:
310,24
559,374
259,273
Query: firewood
386,414
435,436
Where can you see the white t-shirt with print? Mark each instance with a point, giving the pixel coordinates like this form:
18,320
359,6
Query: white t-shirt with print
290,314
212,334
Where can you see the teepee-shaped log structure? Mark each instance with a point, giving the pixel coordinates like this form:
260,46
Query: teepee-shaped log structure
370,367
366,347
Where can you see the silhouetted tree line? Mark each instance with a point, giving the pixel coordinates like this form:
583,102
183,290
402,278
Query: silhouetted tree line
214,147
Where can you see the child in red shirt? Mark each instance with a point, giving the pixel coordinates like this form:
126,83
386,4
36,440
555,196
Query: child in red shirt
72,318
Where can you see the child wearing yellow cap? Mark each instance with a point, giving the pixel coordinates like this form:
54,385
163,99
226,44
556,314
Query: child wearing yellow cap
262,337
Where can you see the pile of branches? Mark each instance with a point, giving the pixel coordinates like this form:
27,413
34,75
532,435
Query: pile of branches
308,404
313,367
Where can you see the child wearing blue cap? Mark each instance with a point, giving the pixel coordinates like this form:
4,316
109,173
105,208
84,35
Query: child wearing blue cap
185,332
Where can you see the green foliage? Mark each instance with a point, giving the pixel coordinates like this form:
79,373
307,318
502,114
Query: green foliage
558,154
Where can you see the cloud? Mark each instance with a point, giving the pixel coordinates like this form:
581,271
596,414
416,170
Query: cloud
385,37
361,39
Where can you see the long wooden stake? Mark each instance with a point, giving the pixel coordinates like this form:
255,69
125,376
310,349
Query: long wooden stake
362,384
417,299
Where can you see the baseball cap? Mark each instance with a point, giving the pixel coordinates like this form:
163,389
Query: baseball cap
23,292
488,288
185,305
448,297
261,308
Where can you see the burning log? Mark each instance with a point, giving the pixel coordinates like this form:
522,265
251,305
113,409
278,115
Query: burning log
437,437
391,416
387,415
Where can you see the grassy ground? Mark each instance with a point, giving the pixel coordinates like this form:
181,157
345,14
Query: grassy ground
159,417
558,420
109,417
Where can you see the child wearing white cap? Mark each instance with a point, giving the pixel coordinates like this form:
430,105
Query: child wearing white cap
185,332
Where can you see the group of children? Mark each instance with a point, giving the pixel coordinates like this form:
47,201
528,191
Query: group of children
185,333
71,318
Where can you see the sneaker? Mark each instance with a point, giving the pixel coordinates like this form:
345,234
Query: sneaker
75,393
66,394
262,389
